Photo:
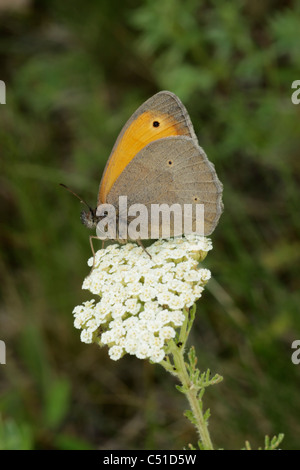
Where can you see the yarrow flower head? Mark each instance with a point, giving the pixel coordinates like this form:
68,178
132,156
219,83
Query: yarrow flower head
142,299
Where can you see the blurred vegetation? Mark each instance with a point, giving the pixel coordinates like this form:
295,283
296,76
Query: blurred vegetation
74,72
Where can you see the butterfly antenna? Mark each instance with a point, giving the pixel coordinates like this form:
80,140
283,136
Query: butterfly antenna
76,195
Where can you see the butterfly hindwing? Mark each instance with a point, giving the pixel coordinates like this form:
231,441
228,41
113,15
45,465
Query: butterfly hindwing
171,170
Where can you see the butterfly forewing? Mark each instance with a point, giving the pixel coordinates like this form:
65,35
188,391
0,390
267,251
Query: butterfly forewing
162,115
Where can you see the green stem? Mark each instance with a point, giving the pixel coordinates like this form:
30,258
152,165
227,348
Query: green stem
192,395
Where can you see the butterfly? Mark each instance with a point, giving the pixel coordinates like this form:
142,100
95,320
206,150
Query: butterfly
157,160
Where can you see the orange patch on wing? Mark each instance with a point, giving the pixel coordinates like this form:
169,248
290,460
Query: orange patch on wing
140,133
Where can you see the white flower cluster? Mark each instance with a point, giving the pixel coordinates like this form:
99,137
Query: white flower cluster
141,298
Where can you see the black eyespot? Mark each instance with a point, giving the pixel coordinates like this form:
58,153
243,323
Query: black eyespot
170,162
155,124
105,213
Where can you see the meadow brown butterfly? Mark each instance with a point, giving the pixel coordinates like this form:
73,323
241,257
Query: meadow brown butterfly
157,160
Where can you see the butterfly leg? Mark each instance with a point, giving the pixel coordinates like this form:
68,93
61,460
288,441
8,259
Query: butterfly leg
139,242
92,248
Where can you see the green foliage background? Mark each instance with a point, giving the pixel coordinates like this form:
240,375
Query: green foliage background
75,71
